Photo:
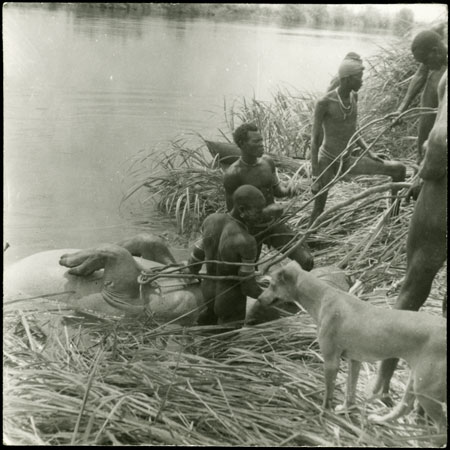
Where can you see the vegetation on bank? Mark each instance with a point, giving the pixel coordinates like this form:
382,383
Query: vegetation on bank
326,16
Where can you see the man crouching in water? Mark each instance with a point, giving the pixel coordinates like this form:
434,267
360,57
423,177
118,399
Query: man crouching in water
226,240
336,113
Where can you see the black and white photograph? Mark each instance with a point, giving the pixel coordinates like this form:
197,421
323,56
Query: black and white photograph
225,224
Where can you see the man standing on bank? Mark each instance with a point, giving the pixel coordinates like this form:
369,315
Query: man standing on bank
426,245
429,50
335,122
256,169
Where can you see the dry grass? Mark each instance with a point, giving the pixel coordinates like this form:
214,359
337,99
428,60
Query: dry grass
94,381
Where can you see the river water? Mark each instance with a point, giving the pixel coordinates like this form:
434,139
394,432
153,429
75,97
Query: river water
84,91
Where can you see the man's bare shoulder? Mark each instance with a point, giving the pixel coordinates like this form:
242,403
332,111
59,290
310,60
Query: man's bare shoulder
330,96
267,159
231,177
233,169
240,237
214,219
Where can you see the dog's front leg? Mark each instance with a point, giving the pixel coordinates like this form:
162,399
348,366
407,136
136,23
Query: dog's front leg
331,366
352,380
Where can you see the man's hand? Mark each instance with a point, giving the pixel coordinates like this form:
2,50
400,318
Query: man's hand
273,211
375,157
414,190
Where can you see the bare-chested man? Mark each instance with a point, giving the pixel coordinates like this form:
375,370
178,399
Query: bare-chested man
335,121
429,50
426,246
226,238
256,169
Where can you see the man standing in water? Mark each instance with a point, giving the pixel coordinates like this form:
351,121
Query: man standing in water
335,122
226,240
429,50
256,169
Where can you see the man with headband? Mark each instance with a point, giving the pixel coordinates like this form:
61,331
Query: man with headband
351,56
429,50
335,122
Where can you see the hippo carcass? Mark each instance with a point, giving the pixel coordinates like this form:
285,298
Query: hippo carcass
113,290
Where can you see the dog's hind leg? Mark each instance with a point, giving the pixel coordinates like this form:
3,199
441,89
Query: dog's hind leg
404,407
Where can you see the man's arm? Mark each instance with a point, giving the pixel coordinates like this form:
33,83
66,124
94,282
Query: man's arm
363,145
434,164
279,189
248,254
230,183
415,86
317,136
196,257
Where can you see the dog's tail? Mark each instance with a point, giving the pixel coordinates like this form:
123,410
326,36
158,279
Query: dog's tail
404,407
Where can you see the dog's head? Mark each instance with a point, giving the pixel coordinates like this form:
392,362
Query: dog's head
282,285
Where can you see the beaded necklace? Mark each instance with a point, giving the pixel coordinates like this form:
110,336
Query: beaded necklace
346,110
247,164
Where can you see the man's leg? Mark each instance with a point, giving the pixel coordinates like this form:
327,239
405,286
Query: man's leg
426,253
328,170
318,208
230,303
208,316
394,169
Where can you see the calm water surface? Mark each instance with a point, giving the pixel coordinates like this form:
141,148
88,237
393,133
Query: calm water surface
85,92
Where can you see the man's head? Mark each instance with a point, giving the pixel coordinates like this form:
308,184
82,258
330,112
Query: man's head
248,203
350,71
428,49
248,138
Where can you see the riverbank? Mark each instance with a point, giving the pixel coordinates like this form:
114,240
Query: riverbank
315,16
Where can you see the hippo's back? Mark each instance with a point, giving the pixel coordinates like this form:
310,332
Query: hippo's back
41,274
